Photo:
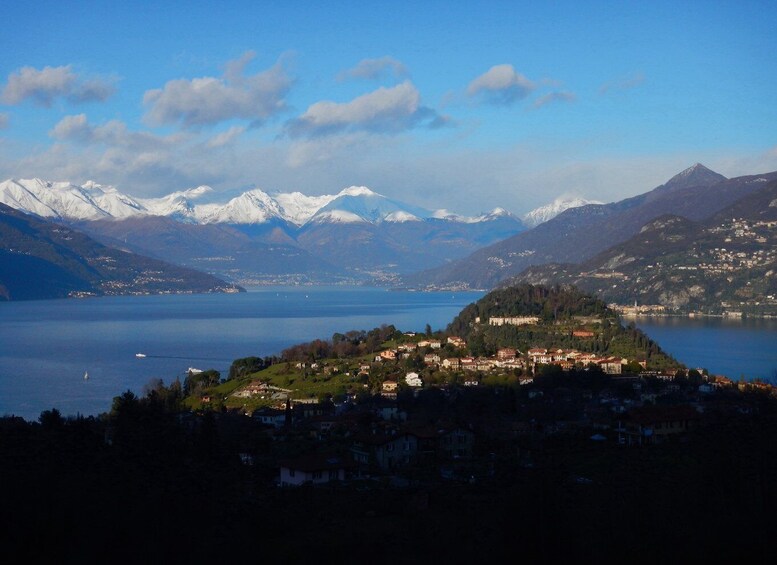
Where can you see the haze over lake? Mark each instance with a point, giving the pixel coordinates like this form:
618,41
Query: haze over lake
48,345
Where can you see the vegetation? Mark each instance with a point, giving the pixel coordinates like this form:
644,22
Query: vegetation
561,311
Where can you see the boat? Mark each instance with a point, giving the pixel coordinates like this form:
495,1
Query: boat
140,355
86,376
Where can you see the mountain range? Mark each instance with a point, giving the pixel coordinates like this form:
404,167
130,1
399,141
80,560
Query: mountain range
255,237
42,259
725,263
359,236
579,234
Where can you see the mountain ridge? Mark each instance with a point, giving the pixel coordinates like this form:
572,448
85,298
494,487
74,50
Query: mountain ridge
42,259
93,201
580,233
722,264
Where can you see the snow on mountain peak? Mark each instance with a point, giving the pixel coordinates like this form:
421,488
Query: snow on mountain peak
357,191
544,213
401,216
299,208
92,201
338,217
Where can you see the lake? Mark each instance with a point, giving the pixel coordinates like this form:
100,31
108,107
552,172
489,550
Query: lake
724,346
47,346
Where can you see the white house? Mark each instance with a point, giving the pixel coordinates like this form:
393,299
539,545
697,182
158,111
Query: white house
412,379
315,468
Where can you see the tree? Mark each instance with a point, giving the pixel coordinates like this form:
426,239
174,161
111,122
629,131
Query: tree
245,366
51,419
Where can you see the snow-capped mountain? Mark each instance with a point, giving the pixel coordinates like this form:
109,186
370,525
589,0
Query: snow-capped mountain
360,204
256,236
298,208
544,213
252,207
92,201
65,200
179,205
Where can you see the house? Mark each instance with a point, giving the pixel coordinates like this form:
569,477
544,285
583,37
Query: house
583,333
388,355
456,341
506,353
514,321
314,469
302,410
272,417
435,344
653,424
387,409
389,389
384,451
452,363
442,443
432,359
612,365
412,379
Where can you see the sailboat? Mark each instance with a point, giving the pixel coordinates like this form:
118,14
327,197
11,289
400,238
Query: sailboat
86,375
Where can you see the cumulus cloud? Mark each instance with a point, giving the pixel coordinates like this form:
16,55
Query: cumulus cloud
385,110
553,97
226,137
43,86
502,85
623,83
4,120
209,100
114,133
372,69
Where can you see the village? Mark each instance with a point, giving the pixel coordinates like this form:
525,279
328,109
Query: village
461,418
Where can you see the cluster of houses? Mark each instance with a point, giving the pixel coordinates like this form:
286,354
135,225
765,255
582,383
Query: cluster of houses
378,436
506,358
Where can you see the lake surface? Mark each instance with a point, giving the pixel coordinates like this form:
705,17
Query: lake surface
46,346
734,348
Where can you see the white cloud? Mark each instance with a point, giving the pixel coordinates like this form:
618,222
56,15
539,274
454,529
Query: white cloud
113,133
4,120
43,86
553,97
372,69
501,84
209,100
226,137
385,110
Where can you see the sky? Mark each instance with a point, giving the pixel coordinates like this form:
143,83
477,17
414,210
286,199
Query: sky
458,105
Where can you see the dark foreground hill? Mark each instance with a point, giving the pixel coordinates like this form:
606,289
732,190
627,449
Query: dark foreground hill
40,259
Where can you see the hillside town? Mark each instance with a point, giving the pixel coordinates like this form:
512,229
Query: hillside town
458,417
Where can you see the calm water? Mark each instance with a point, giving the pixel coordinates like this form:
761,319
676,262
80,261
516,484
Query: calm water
735,348
46,346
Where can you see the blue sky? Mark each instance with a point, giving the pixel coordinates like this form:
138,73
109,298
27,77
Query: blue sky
461,105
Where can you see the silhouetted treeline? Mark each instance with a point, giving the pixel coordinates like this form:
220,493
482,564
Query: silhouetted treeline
144,483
